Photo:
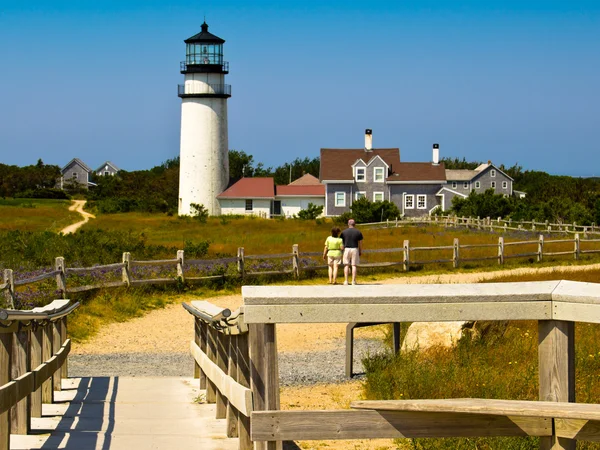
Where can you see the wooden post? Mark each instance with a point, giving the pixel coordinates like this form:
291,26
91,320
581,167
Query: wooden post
296,261
406,251
455,253
533,226
540,252
232,413
59,264
478,223
202,329
9,292
64,369
500,250
197,369
240,255
577,247
222,359
180,261
20,418
5,351
505,227
211,352
47,391
349,348
556,361
125,271
56,344
585,232
243,356
35,352
396,339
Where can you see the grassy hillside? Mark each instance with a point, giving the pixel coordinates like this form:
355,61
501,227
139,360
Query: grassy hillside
36,214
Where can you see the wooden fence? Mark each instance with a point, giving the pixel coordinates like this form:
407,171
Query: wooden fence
404,256
556,305
33,361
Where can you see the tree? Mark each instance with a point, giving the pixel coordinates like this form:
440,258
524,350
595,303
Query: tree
312,212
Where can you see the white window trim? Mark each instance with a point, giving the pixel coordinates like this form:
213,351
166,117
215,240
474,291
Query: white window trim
493,173
477,185
412,199
335,199
424,196
364,174
493,185
505,185
375,169
361,193
454,185
466,185
382,196
246,205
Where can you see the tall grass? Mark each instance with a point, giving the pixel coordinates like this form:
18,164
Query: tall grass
500,363
36,214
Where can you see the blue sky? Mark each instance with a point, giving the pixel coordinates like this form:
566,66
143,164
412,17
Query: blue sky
507,81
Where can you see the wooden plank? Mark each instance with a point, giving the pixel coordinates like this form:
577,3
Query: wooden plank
91,269
20,413
576,312
369,424
208,308
47,391
56,345
243,357
154,263
202,327
211,354
413,293
222,358
232,370
43,373
15,392
53,307
64,368
256,338
419,312
35,350
5,351
41,277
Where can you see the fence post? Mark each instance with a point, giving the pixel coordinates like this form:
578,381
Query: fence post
5,350
585,235
240,256
180,261
222,360
10,289
211,352
35,350
533,226
125,271
47,391
20,417
243,356
577,247
455,253
296,261
56,344
540,254
505,227
232,369
59,264
501,250
406,251
556,362
202,339
197,369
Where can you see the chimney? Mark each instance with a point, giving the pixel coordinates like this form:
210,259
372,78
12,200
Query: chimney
436,154
368,140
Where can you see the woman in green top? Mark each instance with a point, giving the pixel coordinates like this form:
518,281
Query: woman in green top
333,253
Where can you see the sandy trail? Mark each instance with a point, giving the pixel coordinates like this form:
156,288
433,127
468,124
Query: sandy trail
77,206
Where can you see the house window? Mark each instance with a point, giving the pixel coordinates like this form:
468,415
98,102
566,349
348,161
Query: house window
493,185
421,201
107,173
340,199
466,185
75,175
454,185
377,196
505,185
248,205
409,202
360,194
378,174
477,185
493,173
360,174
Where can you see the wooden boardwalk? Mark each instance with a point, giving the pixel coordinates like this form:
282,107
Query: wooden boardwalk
127,413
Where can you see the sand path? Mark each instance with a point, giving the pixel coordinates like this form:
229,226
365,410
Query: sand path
77,206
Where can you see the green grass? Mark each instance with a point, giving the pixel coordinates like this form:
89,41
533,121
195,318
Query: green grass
36,214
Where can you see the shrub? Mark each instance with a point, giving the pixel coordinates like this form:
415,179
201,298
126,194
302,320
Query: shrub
312,212
199,212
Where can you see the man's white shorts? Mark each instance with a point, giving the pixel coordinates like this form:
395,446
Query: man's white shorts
351,256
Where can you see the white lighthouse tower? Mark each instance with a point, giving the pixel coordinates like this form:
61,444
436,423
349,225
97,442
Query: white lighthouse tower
204,157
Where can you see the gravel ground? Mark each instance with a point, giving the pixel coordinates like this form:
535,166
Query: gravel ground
295,368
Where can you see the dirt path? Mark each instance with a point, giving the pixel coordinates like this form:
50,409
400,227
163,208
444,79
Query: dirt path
77,206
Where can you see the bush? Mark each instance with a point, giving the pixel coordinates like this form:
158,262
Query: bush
312,212
364,211
199,212
56,194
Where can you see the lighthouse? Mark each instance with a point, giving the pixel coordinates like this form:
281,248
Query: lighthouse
204,157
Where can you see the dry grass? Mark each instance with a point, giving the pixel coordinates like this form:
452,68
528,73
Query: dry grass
35,214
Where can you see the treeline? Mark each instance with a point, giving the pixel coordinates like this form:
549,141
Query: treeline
36,181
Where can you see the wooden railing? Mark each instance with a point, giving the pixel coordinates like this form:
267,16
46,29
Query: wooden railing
556,305
33,361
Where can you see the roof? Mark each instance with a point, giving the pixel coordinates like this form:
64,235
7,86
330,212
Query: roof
301,190
336,163
105,163
460,175
450,190
306,180
76,161
204,37
418,171
260,187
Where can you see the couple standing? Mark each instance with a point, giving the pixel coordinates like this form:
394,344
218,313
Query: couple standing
350,242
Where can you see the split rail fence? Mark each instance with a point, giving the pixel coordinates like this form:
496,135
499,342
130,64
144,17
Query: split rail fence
33,361
220,353
298,262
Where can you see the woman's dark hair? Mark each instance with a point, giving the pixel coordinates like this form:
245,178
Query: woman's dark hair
335,232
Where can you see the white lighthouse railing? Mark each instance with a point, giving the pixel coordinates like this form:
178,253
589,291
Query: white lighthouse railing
202,88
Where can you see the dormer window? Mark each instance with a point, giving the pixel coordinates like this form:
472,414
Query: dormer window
378,174
360,174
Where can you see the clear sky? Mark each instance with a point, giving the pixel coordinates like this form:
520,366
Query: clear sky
507,81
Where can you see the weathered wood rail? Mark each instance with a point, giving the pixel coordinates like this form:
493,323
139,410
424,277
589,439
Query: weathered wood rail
556,305
33,361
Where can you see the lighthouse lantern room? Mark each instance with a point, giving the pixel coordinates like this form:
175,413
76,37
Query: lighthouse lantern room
204,158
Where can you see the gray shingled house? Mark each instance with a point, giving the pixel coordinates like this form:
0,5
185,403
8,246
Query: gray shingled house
107,169
76,171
